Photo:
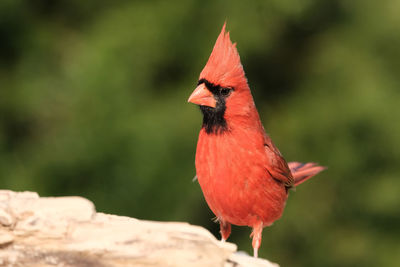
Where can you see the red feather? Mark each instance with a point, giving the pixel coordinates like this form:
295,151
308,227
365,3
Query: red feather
243,176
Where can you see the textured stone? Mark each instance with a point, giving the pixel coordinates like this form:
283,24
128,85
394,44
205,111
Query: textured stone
67,231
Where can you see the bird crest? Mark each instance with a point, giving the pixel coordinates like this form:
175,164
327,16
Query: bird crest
224,68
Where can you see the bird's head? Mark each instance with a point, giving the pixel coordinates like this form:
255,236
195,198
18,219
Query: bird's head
222,91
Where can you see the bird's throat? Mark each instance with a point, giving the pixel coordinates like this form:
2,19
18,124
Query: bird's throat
213,118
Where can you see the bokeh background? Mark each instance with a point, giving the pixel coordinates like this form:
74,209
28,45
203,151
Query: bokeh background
93,103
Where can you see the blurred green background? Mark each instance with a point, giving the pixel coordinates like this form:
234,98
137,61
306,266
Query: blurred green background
93,103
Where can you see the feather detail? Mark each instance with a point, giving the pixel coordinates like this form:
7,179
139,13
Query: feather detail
303,171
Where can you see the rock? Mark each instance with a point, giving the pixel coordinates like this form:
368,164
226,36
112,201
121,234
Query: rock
67,231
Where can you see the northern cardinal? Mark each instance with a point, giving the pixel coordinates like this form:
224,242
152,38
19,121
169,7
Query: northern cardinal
243,176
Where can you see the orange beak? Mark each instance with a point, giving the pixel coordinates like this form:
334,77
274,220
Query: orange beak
203,97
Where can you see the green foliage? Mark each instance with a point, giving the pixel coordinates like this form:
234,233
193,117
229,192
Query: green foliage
93,103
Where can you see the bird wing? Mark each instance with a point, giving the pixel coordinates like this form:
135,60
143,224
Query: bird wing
277,166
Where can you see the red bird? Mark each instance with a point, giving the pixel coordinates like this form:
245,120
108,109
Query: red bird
243,176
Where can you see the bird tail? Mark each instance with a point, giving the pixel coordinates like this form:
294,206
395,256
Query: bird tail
301,172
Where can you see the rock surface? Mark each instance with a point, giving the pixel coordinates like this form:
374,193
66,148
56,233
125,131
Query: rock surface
67,231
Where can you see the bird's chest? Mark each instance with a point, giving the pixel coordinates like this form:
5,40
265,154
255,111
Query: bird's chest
226,158
231,173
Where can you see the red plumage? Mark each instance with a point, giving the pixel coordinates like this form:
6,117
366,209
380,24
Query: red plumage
243,176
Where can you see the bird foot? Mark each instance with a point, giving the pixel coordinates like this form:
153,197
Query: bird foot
255,252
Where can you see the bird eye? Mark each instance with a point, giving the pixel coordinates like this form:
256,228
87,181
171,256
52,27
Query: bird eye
225,91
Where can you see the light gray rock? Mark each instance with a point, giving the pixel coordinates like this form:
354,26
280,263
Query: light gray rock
67,231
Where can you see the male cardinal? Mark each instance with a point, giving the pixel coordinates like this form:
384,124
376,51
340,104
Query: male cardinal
243,176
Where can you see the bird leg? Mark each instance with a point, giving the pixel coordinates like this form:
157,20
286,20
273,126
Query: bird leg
225,230
256,234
